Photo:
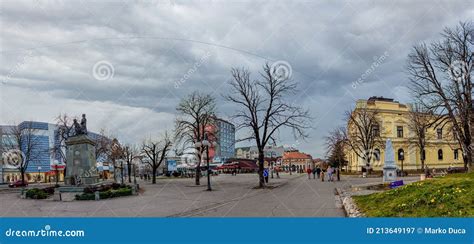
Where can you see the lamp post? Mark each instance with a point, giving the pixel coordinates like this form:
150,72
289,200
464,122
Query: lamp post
402,157
39,177
205,143
271,163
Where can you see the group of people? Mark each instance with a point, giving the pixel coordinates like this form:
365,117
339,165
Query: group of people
330,172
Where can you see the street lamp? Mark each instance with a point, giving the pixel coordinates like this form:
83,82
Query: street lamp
205,143
39,177
401,157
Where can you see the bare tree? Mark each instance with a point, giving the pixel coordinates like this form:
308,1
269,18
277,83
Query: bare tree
156,152
64,131
335,152
26,140
103,145
440,77
419,120
195,113
130,153
264,109
115,153
363,133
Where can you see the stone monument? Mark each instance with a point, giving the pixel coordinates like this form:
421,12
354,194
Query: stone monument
389,167
81,168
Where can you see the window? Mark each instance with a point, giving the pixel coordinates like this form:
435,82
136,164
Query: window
377,154
439,132
399,131
401,154
376,130
456,154
440,154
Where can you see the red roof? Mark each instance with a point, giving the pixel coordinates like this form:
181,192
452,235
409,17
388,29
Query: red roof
296,155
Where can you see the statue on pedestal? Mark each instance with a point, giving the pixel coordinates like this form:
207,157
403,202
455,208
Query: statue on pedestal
80,129
84,124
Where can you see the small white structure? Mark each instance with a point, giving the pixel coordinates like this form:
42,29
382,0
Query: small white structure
389,167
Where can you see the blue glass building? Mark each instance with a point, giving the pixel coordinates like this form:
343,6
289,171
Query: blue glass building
226,141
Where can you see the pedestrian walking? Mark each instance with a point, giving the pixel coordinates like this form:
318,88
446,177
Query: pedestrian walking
309,171
322,175
318,172
330,172
265,175
314,173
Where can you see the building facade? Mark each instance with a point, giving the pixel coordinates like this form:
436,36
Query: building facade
441,151
296,161
44,165
252,152
225,147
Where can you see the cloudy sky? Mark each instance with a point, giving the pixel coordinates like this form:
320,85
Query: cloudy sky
127,63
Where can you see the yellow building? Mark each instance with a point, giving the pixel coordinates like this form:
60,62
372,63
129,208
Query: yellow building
441,150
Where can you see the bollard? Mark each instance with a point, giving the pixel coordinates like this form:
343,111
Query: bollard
57,195
422,177
97,195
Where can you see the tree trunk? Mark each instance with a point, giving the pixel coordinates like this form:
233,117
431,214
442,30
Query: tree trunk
22,176
153,181
121,172
129,168
198,169
261,180
467,157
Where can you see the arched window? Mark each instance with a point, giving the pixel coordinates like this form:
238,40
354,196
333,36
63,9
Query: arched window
377,154
401,154
376,130
440,154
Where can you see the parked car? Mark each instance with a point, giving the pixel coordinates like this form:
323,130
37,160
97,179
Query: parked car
18,183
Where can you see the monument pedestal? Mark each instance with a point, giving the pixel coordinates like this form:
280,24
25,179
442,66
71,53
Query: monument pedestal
389,174
81,168
389,167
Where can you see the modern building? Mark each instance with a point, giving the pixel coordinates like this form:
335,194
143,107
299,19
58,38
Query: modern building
44,165
442,151
296,161
225,146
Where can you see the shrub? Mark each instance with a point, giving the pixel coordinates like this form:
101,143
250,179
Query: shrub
85,196
36,193
116,186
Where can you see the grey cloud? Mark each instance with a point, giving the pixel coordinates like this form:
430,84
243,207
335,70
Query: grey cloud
152,45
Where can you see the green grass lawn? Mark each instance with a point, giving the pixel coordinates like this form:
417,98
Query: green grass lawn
450,196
